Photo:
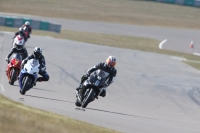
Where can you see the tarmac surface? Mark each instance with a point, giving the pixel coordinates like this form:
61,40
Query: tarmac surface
152,92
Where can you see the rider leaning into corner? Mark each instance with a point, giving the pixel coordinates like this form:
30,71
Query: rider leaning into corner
18,48
108,66
22,29
22,34
37,54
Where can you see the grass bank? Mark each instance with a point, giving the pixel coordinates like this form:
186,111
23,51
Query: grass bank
18,118
116,11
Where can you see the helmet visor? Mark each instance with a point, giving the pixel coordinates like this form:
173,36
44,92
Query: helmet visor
37,54
110,63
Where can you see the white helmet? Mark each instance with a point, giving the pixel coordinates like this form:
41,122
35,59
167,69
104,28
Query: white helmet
19,42
27,23
111,61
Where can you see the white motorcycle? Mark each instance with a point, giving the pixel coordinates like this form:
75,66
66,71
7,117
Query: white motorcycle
28,75
19,40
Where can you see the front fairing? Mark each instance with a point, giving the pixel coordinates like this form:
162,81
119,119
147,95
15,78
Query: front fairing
97,78
15,63
31,69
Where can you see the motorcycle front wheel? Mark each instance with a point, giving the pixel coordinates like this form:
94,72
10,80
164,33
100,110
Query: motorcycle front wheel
26,82
77,103
13,76
88,98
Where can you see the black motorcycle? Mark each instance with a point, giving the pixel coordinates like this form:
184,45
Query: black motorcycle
91,88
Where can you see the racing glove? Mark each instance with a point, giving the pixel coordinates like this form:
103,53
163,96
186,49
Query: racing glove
23,63
84,77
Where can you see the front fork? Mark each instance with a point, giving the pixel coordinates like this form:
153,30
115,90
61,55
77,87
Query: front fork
21,76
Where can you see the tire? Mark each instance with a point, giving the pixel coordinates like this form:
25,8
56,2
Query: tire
88,98
13,76
77,103
25,85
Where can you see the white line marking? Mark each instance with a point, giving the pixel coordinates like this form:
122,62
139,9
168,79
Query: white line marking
198,54
2,87
178,58
160,45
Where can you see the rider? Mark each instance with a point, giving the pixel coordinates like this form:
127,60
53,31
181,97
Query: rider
23,28
18,48
37,54
108,66
20,33
27,25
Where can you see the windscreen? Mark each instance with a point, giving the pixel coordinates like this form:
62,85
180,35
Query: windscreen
34,62
17,56
101,74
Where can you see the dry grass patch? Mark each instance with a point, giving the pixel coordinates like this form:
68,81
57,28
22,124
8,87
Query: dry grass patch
116,11
17,118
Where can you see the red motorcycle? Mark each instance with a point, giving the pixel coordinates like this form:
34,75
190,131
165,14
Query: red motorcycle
14,68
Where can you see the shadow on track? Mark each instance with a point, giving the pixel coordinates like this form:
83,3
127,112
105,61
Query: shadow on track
50,99
15,85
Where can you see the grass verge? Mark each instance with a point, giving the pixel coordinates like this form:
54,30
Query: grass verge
18,118
116,11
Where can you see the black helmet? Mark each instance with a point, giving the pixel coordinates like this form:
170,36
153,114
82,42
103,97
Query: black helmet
37,52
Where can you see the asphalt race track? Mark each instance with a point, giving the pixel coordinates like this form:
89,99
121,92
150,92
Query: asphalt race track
152,93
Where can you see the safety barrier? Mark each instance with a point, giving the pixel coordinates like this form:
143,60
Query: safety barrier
17,22
195,3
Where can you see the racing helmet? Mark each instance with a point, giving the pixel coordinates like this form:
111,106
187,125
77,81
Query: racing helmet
37,52
111,61
19,42
27,23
